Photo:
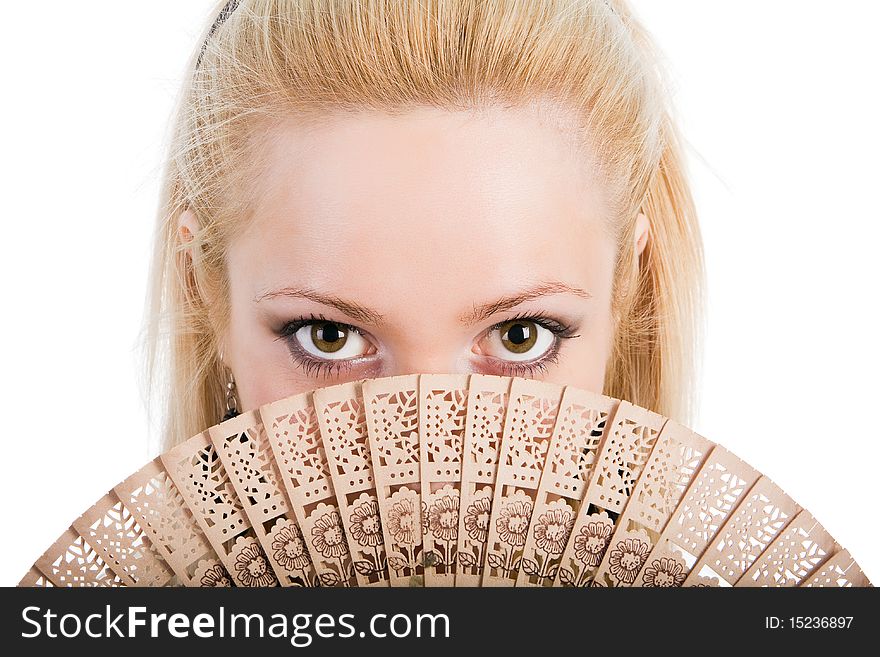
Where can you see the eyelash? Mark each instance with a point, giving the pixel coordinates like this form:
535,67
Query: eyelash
328,367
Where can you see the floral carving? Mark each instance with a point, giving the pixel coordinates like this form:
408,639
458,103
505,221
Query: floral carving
476,519
404,525
552,529
290,548
252,568
404,521
664,572
513,525
443,518
215,577
627,559
589,546
328,537
366,527
443,525
591,542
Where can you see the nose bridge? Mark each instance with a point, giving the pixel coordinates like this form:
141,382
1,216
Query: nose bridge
429,361
427,349
423,333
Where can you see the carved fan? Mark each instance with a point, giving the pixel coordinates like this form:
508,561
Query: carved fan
446,480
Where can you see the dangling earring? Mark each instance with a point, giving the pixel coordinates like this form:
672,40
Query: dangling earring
232,408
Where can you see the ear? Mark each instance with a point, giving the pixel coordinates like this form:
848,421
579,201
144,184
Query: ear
642,232
187,226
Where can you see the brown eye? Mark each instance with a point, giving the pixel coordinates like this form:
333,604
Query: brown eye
329,337
518,336
518,340
331,340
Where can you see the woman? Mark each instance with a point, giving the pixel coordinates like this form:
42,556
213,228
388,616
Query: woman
372,188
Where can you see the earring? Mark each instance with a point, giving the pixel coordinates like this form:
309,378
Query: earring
232,408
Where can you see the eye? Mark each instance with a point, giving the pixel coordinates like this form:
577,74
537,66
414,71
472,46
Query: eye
518,340
330,340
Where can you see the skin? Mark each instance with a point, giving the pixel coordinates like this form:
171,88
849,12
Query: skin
417,222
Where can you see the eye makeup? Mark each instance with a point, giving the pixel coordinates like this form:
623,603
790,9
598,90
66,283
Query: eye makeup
327,367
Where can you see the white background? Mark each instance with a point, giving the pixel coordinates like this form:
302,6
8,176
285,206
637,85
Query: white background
779,104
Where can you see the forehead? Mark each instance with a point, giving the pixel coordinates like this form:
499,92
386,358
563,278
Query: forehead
449,204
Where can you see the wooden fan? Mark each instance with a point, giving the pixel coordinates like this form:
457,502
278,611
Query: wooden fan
447,480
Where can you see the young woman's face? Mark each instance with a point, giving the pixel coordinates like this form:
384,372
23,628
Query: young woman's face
433,241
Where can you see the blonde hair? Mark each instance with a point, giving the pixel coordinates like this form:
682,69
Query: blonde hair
273,59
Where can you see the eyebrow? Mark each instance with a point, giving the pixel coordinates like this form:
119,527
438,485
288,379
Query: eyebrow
547,288
351,308
480,311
